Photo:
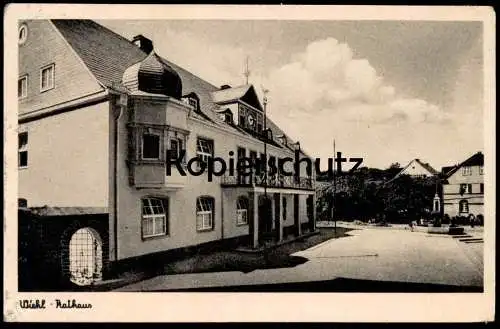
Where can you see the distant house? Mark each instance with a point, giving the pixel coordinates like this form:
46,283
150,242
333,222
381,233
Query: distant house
417,168
463,188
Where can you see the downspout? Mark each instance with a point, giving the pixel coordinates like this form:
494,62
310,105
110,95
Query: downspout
222,213
115,180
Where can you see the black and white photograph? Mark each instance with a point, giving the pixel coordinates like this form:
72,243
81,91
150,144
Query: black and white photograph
190,152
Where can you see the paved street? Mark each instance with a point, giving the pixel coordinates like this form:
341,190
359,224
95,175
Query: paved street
369,254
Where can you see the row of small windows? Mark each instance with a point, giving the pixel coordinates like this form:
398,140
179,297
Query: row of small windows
155,215
467,170
151,149
47,77
151,145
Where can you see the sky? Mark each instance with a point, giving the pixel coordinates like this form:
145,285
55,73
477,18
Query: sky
386,91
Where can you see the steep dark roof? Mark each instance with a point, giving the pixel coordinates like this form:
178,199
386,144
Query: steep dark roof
108,55
105,53
427,167
447,169
475,160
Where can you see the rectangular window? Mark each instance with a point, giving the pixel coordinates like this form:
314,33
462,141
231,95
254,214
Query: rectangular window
176,148
284,209
23,150
463,206
22,87
150,146
262,163
204,214
469,188
481,170
466,171
242,211
205,149
260,122
241,153
463,188
481,188
47,77
154,217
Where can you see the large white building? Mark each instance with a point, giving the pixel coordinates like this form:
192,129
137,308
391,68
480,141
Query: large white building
98,114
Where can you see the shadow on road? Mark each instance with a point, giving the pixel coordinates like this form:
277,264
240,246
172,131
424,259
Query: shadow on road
343,285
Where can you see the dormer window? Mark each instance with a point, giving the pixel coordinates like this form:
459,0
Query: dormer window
282,139
193,102
227,116
269,134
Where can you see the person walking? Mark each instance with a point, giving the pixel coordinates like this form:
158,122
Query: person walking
411,225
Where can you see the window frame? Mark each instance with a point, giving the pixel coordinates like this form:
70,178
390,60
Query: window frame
53,76
181,146
481,170
154,216
22,149
23,77
242,211
203,212
201,154
153,133
466,171
192,101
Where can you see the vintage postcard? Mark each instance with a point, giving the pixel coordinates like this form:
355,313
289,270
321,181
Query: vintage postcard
289,163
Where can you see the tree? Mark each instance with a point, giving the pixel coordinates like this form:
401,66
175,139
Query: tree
369,194
395,165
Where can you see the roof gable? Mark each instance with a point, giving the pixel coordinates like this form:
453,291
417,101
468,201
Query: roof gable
427,166
105,53
245,93
475,160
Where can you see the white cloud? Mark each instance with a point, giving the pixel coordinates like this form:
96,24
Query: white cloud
326,76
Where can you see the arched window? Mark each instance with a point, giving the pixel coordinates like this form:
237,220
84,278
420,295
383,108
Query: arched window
205,207
463,206
23,34
154,217
242,211
85,257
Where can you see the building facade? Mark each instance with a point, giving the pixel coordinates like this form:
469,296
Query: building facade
417,168
109,129
463,189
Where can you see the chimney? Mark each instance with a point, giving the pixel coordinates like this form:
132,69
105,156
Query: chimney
144,43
